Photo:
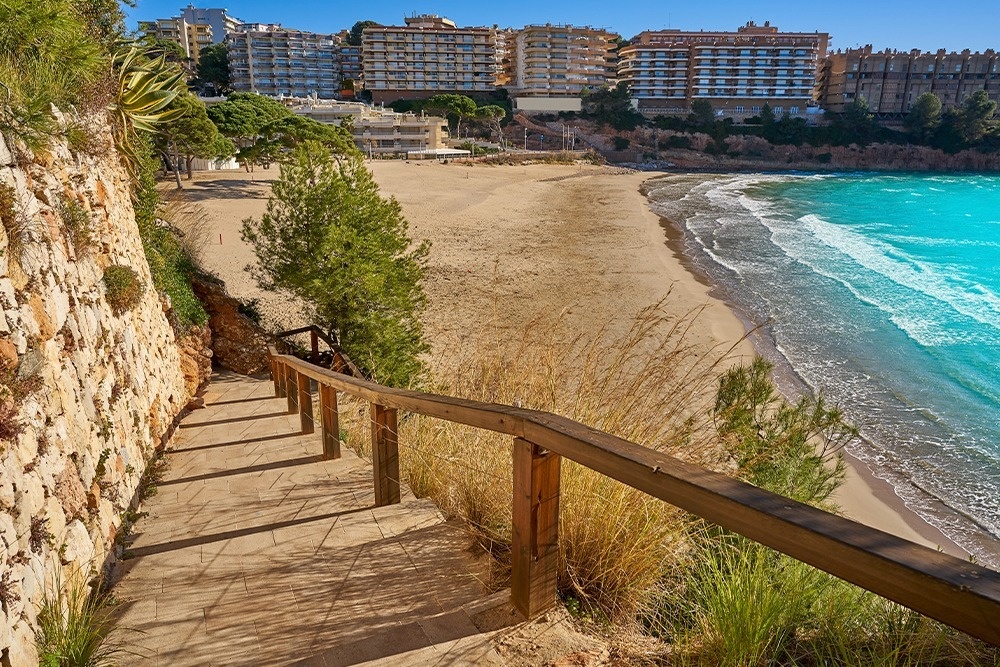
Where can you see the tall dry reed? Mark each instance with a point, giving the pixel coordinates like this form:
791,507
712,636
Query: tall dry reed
654,385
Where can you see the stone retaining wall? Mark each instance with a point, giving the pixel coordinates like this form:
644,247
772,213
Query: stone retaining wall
92,392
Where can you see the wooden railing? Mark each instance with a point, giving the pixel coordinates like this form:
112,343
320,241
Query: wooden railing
340,362
959,593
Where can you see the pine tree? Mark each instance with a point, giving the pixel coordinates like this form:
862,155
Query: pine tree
332,240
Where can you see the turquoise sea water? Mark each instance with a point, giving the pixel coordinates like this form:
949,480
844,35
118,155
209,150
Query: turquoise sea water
883,293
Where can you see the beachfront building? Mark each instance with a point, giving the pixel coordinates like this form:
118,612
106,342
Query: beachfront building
549,66
383,132
279,62
891,81
737,72
194,29
431,55
350,62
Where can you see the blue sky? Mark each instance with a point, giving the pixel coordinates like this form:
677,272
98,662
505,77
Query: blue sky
922,24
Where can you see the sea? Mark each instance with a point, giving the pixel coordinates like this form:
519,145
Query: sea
882,293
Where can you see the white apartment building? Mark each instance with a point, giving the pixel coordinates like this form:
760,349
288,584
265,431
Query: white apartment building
279,62
382,131
550,65
194,29
431,55
738,72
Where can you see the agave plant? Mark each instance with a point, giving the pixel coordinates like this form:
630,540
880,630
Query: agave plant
145,88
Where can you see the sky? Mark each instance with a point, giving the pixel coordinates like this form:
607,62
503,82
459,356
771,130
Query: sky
898,24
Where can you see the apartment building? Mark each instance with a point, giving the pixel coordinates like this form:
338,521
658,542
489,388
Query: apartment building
891,81
194,29
550,65
382,131
279,62
738,72
431,55
350,62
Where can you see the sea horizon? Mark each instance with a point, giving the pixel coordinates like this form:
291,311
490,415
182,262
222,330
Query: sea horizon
876,291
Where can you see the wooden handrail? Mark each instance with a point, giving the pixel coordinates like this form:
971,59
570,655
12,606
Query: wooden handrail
958,593
316,334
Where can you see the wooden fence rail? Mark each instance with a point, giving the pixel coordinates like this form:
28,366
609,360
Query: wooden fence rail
961,594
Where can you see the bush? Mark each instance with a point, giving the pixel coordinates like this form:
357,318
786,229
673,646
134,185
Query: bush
74,625
78,223
621,143
47,56
170,264
123,288
676,141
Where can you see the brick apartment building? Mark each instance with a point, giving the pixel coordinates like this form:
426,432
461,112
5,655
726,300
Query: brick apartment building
737,72
891,81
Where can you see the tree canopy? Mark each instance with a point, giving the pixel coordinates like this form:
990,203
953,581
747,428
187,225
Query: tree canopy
213,67
924,117
974,119
357,30
612,106
492,115
192,135
329,238
451,104
243,116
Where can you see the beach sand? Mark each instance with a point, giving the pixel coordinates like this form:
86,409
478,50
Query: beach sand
512,242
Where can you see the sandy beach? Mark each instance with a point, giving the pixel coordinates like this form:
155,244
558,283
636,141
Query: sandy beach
512,242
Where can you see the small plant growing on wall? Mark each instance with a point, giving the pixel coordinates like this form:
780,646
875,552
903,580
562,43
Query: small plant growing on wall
78,223
15,224
123,288
14,388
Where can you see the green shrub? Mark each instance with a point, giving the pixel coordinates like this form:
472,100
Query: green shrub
74,625
17,226
170,265
123,288
621,143
79,225
47,56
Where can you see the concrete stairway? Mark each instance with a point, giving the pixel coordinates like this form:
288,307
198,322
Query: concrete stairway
255,551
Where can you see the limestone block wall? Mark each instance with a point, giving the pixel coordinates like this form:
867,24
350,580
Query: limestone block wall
92,392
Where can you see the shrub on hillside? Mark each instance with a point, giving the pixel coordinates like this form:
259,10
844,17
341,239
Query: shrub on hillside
123,288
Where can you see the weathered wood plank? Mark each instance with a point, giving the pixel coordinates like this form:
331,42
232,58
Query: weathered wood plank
330,422
291,394
305,403
535,543
385,454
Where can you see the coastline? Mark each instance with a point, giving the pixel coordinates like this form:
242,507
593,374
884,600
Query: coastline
863,496
512,241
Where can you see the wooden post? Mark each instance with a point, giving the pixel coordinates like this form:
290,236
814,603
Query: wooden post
331,421
535,547
275,378
314,346
385,455
291,382
280,377
305,403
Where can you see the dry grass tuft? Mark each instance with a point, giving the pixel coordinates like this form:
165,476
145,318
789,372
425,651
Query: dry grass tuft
653,385
190,223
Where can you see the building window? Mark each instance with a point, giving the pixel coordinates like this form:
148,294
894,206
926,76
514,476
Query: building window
755,109
740,109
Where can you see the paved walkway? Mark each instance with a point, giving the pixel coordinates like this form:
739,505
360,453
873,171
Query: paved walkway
255,551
